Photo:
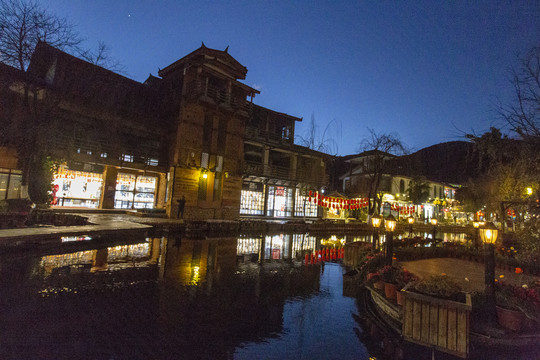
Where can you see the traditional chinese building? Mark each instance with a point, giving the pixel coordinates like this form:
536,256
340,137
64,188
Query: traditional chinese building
278,174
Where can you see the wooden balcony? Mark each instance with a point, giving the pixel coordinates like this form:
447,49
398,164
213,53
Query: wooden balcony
283,173
253,133
198,90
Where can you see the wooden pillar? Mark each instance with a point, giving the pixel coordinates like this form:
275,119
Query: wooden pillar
109,187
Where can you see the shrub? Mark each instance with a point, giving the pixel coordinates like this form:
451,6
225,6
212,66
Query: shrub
438,286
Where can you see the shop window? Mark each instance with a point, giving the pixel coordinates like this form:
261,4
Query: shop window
135,192
10,184
252,199
302,205
76,188
279,201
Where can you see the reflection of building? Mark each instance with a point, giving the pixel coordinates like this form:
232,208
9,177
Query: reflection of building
276,247
278,174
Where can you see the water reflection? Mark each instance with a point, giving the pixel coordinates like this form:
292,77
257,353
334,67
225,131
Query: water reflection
175,298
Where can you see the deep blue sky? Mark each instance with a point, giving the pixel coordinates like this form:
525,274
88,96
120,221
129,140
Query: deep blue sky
425,70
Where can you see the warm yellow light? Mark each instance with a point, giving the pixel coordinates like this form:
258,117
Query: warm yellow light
433,221
410,219
390,223
489,233
529,191
205,175
476,224
376,220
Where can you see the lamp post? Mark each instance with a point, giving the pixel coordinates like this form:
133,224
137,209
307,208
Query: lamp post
410,220
433,222
376,221
489,233
390,225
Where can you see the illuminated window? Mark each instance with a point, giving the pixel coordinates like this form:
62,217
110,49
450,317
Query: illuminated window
126,158
302,205
279,201
252,199
152,162
135,191
76,188
10,184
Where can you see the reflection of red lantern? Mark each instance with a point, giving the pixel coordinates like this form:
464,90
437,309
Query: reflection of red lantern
309,193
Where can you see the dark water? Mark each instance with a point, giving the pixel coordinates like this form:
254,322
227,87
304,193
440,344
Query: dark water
175,299
178,298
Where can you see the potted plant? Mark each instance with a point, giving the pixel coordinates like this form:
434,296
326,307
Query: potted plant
403,278
389,275
516,304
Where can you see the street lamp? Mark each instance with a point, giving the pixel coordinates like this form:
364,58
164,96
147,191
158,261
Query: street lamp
410,220
390,225
376,221
488,234
433,222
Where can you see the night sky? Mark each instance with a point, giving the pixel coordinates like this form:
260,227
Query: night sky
428,71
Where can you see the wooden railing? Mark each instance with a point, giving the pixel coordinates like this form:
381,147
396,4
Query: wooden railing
284,173
198,90
439,323
254,133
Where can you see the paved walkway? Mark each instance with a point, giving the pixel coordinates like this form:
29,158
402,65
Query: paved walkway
100,223
469,274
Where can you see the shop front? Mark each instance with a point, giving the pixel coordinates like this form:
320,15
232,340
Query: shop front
74,188
135,191
126,188
280,201
252,198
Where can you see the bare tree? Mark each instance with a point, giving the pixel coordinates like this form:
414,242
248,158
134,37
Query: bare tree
102,57
23,24
311,138
378,148
523,114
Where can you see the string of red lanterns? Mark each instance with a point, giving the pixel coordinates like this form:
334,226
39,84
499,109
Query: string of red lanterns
351,204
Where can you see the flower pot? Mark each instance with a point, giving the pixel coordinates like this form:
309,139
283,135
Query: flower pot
379,285
400,297
371,275
390,290
510,319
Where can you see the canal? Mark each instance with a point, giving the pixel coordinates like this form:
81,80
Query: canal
163,298
246,297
